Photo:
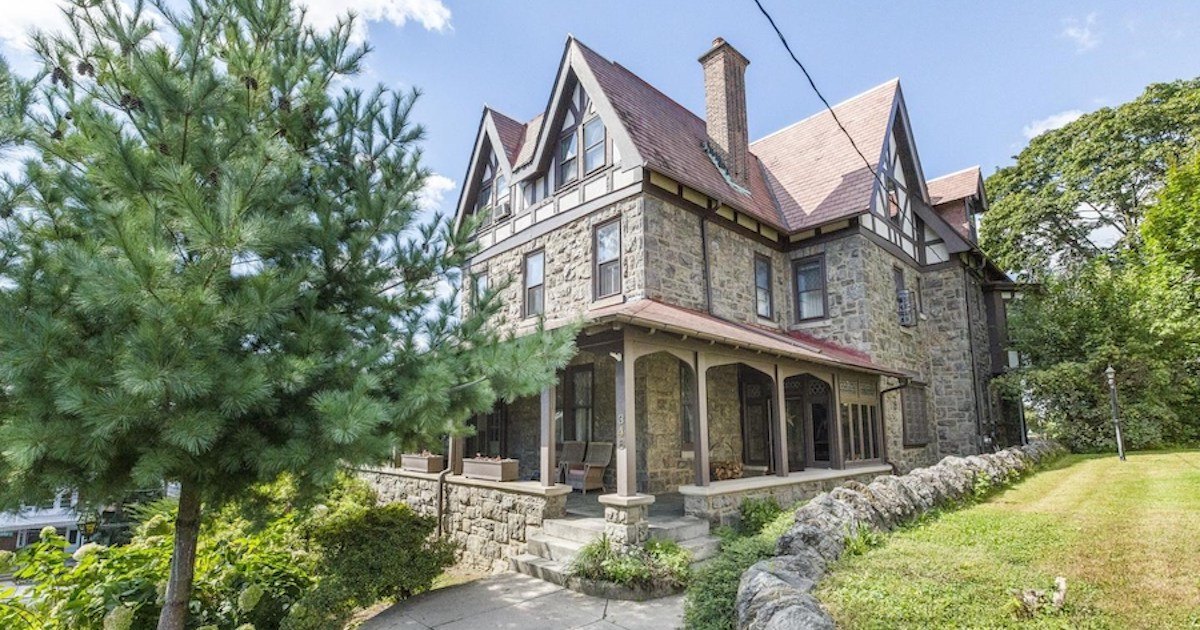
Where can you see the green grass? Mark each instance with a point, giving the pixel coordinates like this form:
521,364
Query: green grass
1125,535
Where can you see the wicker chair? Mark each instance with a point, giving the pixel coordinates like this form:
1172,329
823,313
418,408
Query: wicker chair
589,475
572,455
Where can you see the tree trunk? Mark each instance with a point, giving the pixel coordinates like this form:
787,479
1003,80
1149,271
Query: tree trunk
183,559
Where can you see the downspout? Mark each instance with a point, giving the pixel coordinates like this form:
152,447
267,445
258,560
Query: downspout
904,382
704,261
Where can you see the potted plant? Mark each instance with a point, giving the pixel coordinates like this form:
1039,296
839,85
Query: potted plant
423,462
490,468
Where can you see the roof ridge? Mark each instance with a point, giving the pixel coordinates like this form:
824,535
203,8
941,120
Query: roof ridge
958,172
846,101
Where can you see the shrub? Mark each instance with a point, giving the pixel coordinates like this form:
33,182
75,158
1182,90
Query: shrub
660,562
756,513
712,592
267,572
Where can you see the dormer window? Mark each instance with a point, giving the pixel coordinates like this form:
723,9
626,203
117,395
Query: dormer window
582,131
568,158
484,201
593,144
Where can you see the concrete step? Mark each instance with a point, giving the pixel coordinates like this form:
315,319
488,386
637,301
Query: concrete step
679,529
580,530
702,548
552,547
541,568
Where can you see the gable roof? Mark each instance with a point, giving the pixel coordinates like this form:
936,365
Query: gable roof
815,173
670,139
955,186
511,133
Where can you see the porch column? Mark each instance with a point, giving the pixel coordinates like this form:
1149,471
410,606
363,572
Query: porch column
781,436
700,439
626,424
549,471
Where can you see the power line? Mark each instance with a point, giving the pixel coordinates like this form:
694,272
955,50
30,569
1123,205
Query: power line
874,173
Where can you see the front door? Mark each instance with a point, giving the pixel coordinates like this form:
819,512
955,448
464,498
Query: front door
818,408
756,418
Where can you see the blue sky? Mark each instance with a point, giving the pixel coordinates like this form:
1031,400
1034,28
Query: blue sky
979,78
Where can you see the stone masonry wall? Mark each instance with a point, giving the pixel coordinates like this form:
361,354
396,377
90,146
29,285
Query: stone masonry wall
724,414
777,593
489,525
951,387
568,267
662,466
725,509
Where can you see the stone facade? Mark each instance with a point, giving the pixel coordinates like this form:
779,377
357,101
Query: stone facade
489,524
568,266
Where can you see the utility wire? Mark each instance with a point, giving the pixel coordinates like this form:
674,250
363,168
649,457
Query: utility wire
783,40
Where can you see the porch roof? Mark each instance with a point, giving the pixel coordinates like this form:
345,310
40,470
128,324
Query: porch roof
657,315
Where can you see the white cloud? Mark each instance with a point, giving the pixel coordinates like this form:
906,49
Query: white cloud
22,15
433,193
431,14
1082,33
1049,123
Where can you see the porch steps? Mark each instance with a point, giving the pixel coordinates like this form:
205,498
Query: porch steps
549,554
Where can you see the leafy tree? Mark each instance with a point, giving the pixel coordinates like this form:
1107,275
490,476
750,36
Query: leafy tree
1101,171
214,270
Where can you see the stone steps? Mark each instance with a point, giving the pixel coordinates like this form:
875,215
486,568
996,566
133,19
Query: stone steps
564,551
551,571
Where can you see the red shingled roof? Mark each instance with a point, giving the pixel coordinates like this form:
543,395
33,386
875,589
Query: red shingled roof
954,186
670,138
654,314
512,134
815,173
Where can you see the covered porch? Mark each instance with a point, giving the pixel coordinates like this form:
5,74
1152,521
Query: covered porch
780,416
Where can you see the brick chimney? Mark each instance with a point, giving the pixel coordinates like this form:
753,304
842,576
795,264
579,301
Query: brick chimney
725,108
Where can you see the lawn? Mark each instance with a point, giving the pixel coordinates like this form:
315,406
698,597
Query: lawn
1125,535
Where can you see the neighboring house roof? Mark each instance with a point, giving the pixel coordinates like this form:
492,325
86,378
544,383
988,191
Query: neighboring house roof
954,186
670,138
653,314
815,173
512,135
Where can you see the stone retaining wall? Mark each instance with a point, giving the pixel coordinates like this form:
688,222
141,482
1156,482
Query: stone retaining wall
490,524
725,508
777,593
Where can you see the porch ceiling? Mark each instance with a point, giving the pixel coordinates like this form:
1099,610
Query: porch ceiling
658,316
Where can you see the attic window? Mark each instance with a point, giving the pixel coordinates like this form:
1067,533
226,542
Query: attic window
582,132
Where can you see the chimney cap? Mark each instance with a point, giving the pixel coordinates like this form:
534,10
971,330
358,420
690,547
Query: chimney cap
720,44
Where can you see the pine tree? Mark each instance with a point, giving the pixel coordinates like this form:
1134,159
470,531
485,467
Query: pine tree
214,268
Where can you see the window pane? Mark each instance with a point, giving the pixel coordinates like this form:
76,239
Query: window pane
610,278
534,268
593,158
481,285
593,132
763,302
567,171
608,242
762,273
533,301
812,304
568,147
809,277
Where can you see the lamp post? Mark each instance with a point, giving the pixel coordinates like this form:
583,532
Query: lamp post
1112,396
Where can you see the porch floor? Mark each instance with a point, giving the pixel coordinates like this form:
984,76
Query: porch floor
667,505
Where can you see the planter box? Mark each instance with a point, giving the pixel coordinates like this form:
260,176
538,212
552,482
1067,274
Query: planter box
415,462
490,470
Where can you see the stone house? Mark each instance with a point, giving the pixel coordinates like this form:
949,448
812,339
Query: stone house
762,318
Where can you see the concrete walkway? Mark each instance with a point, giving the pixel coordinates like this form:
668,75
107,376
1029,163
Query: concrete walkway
512,600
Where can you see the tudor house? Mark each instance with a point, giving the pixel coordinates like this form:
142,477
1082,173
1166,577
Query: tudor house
758,318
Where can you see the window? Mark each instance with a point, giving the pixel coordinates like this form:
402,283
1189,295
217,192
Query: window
810,288
687,407
479,286
491,433
568,158
593,145
577,415
503,193
916,415
607,254
763,298
860,423
535,284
